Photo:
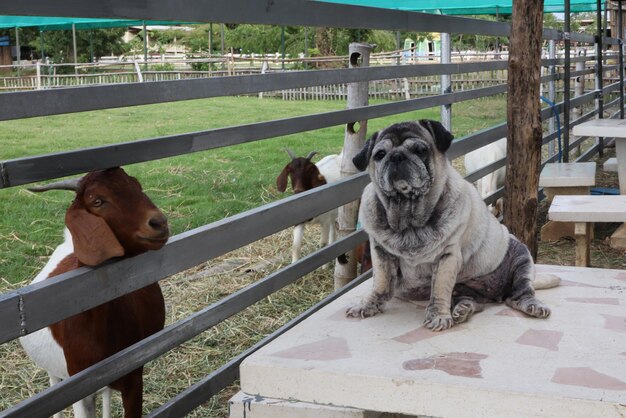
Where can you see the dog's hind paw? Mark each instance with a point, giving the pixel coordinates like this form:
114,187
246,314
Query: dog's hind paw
363,310
530,306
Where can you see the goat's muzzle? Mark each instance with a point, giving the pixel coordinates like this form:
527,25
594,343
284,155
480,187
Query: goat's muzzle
156,231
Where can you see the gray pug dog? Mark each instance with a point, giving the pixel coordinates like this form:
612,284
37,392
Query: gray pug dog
431,235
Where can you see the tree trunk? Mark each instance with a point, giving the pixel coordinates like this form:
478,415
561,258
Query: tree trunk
524,122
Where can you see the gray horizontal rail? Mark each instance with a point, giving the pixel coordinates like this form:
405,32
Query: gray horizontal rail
476,140
610,41
483,171
589,154
610,88
577,142
102,373
582,72
54,299
213,383
491,199
276,12
26,104
580,37
31,169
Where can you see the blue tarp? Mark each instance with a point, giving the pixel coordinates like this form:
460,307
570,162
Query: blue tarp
65,23
465,7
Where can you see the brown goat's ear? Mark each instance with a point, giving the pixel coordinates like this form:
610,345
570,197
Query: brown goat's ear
281,180
94,242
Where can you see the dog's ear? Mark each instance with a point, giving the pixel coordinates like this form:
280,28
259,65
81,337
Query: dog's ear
361,160
443,138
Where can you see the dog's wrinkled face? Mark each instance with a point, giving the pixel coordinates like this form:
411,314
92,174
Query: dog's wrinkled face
401,158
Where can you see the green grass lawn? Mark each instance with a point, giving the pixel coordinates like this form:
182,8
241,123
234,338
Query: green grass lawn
193,189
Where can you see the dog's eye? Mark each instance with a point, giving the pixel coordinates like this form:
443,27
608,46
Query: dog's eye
420,149
379,155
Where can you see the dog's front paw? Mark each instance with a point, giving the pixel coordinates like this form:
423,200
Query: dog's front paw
439,322
530,306
436,321
363,310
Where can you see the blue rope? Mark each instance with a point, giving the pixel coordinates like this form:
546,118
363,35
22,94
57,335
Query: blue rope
558,123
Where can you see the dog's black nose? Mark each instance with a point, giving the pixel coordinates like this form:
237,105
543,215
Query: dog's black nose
396,157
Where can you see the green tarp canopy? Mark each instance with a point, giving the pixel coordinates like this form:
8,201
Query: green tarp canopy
467,7
65,23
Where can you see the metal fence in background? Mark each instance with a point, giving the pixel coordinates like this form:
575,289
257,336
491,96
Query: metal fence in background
36,306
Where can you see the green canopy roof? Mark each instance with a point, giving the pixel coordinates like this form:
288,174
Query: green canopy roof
63,23
465,7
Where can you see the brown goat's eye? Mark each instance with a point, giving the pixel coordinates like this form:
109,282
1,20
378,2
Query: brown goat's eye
97,203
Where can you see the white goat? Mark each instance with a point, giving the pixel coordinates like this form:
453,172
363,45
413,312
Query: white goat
305,176
488,184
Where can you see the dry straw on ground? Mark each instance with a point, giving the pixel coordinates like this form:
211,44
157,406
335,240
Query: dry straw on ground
188,292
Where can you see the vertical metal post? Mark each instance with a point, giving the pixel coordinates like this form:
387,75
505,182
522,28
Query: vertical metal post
398,47
620,36
306,46
38,72
18,51
74,46
92,58
223,44
446,80
566,83
43,50
497,54
210,38
358,96
599,72
552,95
145,46
282,47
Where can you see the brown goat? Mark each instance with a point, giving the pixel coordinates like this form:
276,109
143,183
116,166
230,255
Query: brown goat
305,176
110,217
303,173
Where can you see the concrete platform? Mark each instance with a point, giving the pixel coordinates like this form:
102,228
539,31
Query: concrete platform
498,364
568,175
246,406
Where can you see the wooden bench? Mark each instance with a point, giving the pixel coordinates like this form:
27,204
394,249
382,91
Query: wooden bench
559,179
583,211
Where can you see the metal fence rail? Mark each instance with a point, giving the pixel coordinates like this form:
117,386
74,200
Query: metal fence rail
41,304
33,307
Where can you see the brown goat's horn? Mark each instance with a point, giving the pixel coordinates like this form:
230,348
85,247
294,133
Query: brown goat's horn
311,154
71,184
291,153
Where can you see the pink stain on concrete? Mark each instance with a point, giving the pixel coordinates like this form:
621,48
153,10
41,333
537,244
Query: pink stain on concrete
623,354
577,284
598,301
587,377
331,348
615,323
621,276
510,312
454,364
421,333
541,338
341,316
